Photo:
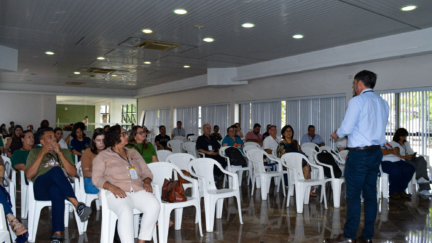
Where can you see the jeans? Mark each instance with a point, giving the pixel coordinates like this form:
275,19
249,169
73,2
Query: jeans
55,187
89,187
4,201
399,173
420,166
361,174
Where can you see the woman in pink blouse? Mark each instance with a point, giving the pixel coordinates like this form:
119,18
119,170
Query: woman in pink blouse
124,173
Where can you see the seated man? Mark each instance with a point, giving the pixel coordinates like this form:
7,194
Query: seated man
178,131
162,139
271,142
59,138
311,137
399,172
266,134
50,183
254,135
209,146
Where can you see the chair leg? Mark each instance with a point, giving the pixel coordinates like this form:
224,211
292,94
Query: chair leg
178,218
66,215
24,202
136,225
98,204
290,192
253,185
219,208
239,208
323,194
299,197
111,226
336,193
307,195
163,225
209,214
264,188
198,218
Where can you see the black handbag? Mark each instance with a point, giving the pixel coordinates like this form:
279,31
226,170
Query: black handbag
327,158
235,157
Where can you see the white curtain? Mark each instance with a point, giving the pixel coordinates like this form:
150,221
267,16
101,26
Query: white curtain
245,117
189,117
216,115
266,113
165,119
155,118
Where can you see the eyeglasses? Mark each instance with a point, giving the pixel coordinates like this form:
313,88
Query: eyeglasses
123,134
140,132
231,131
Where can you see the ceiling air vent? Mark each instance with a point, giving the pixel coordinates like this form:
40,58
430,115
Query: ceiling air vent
157,45
100,70
75,83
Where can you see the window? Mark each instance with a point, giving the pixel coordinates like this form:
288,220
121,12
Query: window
155,118
263,113
129,115
189,118
411,110
104,114
215,115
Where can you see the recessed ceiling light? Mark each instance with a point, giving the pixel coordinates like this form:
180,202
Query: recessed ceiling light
49,53
409,8
180,11
101,58
147,62
77,73
186,66
208,39
248,25
114,75
297,36
147,31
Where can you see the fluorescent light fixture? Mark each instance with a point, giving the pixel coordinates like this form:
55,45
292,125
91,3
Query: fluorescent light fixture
49,53
180,11
297,36
409,8
114,75
147,31
248,25
186,66
147,62
208,39
77,73
101,58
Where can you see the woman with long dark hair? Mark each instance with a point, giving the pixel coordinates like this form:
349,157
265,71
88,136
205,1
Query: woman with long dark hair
19,158
137,140
14,143
79,142
96,146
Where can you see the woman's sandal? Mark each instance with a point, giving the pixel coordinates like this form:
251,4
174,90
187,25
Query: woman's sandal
17,227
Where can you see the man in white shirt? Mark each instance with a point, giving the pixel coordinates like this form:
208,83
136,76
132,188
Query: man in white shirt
271,142
58,133
178,131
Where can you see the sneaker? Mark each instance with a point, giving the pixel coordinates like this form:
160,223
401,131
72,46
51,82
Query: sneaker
425,193
56,239
83,211
422,181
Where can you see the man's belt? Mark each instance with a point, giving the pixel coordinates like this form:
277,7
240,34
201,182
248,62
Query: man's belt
365,148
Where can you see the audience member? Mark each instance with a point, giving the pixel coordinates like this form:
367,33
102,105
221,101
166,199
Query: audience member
14,143
216,133
3,130
209,146
16,225
254,135
11,128
79,142
44,124
162,139
238,130
290,145
1,146
178,131
19,157
59,137
106,128
311,137
342,143
266,134
125,174
50,182
138,141
96,146
399,172
271,142
232,140
419,162
86,122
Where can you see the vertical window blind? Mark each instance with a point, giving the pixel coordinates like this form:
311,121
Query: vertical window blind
216,115
260,112
189,117
156,118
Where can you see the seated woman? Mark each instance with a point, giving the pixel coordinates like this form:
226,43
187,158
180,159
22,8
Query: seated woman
79,142
238,130
106,128
19,158
231,139
3,130
96,146
44,168
14,143
407,154
137,141
399,172
125,174
17,227
216,133
290,145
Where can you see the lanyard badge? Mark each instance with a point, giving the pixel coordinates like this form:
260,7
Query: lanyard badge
133,173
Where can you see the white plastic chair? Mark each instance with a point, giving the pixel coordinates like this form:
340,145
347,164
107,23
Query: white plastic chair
343,155
336,183
36,206
192,138
9,169
182,162
203,170
4,233
109,219
175,145
162,171
383,188
11,188
252,143
293,161
235,169
163,154
256,156
24,194
309,145
190,148
180,138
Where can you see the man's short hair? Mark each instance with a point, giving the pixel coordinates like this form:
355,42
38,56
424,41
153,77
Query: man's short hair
272,126
11,122
206,125
179,122
42,132
160,127
215,126
367,77
311,126
256,125
57,129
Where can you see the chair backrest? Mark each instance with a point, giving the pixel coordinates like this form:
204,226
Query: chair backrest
190,148
162,171
163,154
8,165
256,157
343,154
310,152
252,143
293,161
175,145
180,138
246,149
310,145
180,160
328,148
203,169
193,138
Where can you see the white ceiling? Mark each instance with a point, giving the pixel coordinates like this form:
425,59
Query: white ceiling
79,31
90,100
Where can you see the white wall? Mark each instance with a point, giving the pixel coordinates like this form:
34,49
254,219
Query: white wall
400,73
26,109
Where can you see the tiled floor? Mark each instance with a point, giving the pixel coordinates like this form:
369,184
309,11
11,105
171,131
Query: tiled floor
271,221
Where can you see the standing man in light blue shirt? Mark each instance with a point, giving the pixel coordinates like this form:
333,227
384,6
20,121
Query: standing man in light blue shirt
364,123
311,137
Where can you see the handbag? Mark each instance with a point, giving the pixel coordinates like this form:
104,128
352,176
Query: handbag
186,173
173,191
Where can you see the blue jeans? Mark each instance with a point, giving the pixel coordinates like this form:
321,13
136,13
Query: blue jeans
5,201
54,186
361,174
89,187
399,173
